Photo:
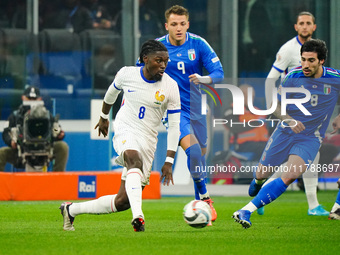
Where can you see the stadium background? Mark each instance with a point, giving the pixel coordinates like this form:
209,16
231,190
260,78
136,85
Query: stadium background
69,67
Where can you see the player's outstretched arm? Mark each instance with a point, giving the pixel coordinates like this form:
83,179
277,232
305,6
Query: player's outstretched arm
270,85
166,176
172,144
198,79
103,126
103,123
109,99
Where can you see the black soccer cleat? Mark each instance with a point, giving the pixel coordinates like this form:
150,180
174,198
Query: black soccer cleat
334,215
138,224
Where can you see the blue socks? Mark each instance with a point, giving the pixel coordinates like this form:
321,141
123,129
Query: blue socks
269,193
197,193
204,164
194,162
200,187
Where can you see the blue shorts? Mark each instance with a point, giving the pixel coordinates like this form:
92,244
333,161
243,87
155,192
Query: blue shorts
280,145
195,127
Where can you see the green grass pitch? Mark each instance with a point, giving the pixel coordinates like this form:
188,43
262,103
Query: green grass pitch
36,228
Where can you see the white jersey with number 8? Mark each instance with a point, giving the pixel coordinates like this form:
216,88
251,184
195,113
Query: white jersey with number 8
143,106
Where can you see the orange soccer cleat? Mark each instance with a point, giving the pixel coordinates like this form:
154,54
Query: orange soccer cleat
213,211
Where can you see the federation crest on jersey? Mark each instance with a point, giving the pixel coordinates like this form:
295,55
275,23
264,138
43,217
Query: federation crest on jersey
326,89
192,54
159,97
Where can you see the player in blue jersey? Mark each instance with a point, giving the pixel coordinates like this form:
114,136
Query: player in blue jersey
299,140
189,54
287,58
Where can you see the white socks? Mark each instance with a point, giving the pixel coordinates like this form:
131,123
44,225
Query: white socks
102,205
310,180
335,207
133,187
250,207
106,204
204,195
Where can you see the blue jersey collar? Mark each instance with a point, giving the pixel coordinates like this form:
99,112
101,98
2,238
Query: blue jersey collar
143,77
297,38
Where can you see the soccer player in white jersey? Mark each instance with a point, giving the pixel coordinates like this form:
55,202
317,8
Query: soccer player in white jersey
298,141
148,93
287,58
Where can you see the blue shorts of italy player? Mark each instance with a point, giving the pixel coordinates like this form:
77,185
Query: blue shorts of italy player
195,127
282,144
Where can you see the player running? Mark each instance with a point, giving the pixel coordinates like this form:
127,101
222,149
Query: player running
287,58
148,93
188,55
299,141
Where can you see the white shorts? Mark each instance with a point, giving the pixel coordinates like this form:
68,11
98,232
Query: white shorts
147,148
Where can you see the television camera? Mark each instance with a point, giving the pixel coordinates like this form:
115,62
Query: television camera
35,137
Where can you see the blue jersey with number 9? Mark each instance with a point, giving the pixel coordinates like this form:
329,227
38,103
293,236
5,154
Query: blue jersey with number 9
189,58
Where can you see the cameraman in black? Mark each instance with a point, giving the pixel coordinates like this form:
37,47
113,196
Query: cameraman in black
10,154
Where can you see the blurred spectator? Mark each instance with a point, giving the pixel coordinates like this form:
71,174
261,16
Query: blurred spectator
14,131
105,61
255,25
105,69
71,15
99,13
5,13
19,16
149,23
246,138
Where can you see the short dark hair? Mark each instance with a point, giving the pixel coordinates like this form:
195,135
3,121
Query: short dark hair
315,45
149,47
176,9
305,13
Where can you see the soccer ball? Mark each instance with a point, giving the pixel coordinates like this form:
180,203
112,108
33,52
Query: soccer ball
197,214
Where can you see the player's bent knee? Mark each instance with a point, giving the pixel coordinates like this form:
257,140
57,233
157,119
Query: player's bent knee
122,203
133,159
